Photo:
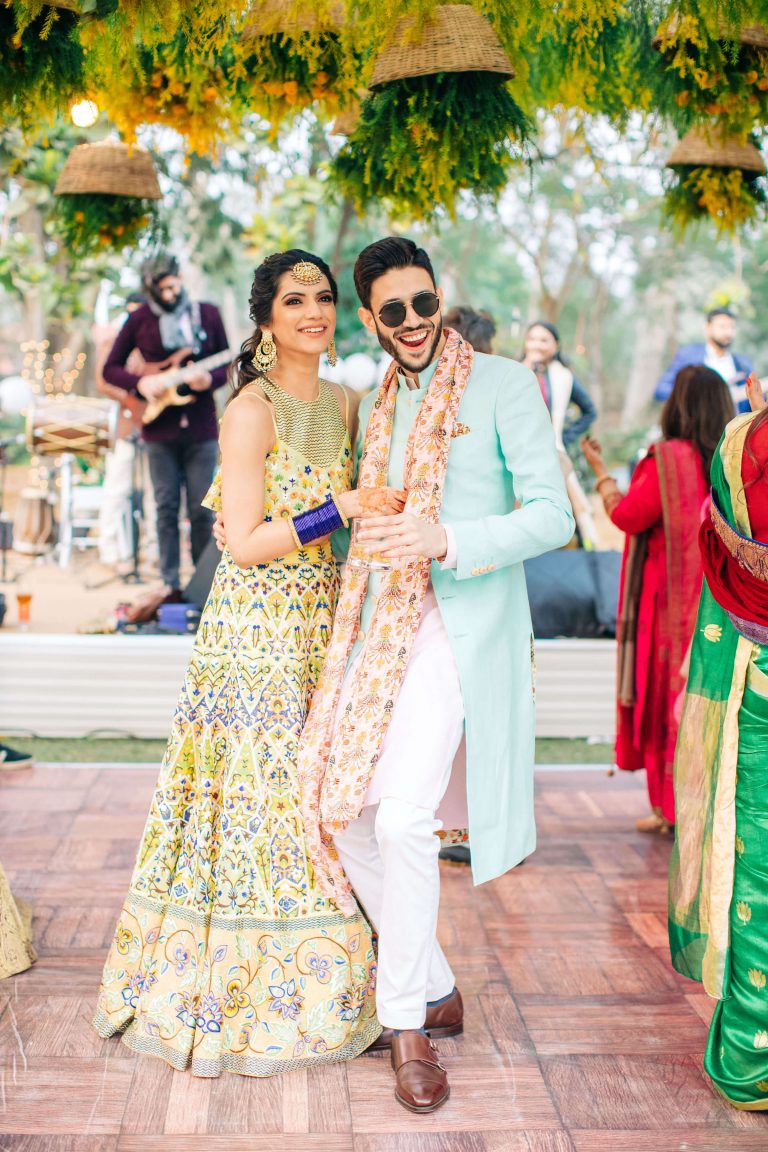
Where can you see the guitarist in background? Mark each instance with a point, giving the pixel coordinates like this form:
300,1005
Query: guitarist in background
182,443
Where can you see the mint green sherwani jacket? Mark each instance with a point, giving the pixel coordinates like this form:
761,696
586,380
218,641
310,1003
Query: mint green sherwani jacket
502,453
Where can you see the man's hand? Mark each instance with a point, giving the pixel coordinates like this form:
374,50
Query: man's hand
403,536
200,382
218,532
152,387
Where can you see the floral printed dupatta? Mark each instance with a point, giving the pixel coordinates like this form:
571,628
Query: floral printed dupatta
335,770
702,864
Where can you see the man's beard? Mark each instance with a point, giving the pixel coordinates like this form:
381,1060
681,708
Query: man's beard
723,345
164,303
389,344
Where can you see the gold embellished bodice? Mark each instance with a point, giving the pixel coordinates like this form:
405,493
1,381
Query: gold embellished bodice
310,459
315,428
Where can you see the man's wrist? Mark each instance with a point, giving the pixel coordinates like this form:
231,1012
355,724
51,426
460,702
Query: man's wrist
441,555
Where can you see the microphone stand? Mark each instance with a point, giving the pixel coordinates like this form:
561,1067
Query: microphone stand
137,509
6,526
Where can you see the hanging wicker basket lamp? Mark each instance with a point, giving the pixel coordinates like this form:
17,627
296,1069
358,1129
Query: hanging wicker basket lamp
285,19
111,168
458,39
701,148
754,35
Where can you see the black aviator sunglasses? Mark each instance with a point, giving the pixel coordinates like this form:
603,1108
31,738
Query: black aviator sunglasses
424,304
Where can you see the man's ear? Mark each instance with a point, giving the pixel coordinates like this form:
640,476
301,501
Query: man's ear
367,320
441,298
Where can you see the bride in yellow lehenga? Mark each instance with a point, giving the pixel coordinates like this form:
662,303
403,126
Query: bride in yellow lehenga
226,955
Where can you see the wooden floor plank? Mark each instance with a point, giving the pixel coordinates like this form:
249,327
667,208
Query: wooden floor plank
579,1037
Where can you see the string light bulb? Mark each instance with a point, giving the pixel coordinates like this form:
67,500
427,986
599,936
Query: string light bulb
84,113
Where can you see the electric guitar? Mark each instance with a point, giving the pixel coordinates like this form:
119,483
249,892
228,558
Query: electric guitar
175,378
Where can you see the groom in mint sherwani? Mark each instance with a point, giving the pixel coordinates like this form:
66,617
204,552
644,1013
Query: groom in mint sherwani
424,716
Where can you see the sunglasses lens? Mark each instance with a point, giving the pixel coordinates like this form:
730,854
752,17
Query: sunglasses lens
425,304
393,314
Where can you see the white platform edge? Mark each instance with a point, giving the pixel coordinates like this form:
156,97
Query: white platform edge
74,686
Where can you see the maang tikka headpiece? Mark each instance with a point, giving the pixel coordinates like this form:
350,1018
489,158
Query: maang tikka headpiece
306,273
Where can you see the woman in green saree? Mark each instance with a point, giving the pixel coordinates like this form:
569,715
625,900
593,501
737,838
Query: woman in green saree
718,905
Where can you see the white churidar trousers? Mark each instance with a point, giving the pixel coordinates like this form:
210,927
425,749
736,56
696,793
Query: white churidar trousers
390,853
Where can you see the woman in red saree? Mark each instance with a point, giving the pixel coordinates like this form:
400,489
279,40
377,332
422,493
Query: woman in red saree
661,577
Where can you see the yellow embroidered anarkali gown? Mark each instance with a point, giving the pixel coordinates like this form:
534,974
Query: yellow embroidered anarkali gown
225,955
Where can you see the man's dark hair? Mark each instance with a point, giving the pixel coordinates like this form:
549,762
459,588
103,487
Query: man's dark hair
136,298
479,328
157,268
723,311
380,257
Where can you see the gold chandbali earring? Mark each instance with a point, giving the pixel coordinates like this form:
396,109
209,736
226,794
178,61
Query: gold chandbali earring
332,357
265,356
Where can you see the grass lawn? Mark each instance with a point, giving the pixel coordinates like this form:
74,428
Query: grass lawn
127,751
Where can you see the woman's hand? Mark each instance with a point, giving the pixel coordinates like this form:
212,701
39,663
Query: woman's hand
371,502
593,454
754,391
219,534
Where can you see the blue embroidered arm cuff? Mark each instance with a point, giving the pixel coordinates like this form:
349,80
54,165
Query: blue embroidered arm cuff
318,522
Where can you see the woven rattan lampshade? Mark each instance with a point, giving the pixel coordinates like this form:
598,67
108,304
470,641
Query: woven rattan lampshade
112,168
459,39
346,121
700,148
755,34
277,18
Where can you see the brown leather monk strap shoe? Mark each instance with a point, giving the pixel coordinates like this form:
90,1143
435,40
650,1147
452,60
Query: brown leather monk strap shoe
443,1019
422,1082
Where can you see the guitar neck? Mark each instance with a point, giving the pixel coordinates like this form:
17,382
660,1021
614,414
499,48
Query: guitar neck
174,376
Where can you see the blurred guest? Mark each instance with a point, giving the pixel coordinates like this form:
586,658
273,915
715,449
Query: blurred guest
115,531
560,389
559,386
479,328
718,893
182,443
661,576
716,353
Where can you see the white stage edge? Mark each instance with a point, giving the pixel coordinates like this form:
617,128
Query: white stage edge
73,686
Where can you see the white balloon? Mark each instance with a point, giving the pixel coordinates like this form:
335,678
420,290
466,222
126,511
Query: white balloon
360,371
15,395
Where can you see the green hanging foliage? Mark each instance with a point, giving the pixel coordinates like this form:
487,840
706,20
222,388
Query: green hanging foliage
278,76
705,75
41,63
601,65
89,222
422,140
727,196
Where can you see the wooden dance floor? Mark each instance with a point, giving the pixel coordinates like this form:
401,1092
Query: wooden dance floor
579,1037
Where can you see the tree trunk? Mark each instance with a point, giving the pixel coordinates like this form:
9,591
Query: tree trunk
655,322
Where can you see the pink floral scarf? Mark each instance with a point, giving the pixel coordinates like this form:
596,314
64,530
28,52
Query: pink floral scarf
335,770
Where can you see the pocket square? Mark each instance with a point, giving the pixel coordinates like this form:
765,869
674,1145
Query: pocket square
460,429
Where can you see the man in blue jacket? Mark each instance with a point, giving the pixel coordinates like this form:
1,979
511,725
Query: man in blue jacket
720,332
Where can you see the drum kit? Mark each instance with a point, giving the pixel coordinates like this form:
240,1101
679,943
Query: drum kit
60,429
